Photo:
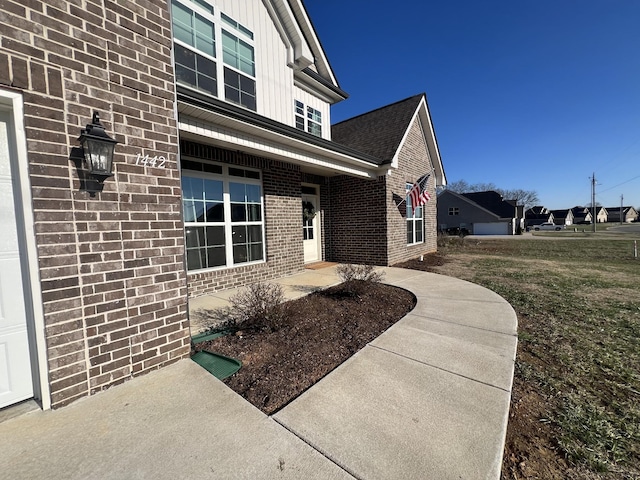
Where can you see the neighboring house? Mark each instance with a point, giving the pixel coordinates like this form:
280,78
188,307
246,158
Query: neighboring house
537,215
581,215
481,213
562,216
602,215
629,214
245,184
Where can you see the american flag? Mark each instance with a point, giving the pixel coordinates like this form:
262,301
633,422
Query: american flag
418,193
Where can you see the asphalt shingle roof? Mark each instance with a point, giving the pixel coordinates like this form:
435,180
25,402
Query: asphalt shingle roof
493,202
379,132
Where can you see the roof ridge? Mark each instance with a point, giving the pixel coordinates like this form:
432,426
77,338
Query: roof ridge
380,108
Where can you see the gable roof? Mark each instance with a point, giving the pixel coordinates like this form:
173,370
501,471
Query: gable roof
381,133
444,193
562,213
625,210
538,210
493,202
305,53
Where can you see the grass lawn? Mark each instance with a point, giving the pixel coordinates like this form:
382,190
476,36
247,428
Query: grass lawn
575,409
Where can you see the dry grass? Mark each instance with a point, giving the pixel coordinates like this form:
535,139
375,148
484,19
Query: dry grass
578,304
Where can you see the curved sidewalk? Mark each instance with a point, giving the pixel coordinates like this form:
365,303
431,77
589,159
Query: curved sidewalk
429,398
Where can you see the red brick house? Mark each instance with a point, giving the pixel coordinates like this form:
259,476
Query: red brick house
227,171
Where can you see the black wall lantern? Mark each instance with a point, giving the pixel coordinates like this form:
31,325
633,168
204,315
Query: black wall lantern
98,148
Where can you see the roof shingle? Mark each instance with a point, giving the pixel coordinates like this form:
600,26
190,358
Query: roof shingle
379,132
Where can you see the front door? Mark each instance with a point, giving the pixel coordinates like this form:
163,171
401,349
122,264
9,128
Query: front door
310,224
15,365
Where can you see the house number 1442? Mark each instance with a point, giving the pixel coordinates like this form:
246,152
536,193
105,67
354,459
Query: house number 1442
147,161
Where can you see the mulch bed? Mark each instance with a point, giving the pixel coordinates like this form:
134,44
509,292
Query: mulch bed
322,330
426,264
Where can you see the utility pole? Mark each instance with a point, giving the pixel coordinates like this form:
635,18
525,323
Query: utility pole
621,207
593,200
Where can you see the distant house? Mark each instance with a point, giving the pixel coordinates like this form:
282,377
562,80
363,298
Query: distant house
481,213
602,215
581,215
537,215
629,214
562,217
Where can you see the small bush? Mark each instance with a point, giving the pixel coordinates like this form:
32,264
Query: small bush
356,278
259,306
366,273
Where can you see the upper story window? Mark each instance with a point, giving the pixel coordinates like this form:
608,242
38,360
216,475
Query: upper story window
454,211
202,36
308,118
195,48
239,71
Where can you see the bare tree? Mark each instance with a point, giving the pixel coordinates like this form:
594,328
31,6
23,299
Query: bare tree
528,198
461,186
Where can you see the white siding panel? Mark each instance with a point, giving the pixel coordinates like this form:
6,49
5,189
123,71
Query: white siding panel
288,152
274,78
275,90
312,101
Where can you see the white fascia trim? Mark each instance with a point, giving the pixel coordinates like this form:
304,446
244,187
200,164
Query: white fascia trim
284,19
274,145
322,62
281,31
422,112
14,101
317,89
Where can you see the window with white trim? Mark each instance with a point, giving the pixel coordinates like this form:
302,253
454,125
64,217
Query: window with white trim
202,36
194,47
415,223
308,118
223,215
454,211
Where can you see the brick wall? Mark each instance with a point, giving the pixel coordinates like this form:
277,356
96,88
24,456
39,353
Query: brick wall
111,263
366,224
413,162
358,221
282,216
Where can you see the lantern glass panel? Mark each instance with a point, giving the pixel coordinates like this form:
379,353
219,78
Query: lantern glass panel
99,156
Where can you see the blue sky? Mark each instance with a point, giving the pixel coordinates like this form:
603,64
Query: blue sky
530,94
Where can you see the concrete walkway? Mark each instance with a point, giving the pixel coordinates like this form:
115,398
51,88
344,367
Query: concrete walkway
428,399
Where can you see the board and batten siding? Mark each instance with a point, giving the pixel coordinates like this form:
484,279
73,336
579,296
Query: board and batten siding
311,100
274,78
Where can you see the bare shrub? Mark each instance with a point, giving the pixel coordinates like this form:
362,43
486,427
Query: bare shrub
259,306
366,273
356,278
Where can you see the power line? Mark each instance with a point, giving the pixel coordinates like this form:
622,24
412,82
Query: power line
616,186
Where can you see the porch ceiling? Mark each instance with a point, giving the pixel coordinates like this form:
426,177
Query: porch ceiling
262,137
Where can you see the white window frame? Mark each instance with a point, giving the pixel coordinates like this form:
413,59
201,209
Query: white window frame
414,220
307,118
222,22
226,178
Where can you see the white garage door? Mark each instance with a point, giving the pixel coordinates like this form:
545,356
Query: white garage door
496,228
15,365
